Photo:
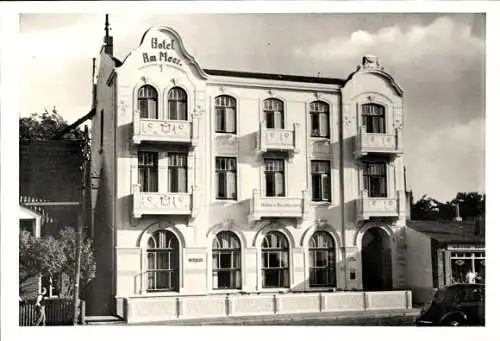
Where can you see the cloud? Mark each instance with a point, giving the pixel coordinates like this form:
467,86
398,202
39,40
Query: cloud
449,160
443,39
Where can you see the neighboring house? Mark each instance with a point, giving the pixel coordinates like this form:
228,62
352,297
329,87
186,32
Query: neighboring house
31,222
209,182
441,253
50,189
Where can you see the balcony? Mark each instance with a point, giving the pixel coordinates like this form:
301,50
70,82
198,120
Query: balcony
371,207
277,139
375,143
174,131
154,203
278,207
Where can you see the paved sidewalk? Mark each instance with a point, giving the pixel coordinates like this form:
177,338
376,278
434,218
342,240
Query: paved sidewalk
373,318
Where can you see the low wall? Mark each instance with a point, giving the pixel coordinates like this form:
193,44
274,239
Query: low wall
157,308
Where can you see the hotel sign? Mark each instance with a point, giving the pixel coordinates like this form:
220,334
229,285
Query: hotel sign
162,51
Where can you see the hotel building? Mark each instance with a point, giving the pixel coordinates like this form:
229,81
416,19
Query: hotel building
222,192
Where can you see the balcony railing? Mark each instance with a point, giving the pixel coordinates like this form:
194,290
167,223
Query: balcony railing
278,139
377,143
286,207
151,130
157,203
369,207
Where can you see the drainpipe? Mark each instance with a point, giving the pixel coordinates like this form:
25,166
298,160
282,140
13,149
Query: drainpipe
342,188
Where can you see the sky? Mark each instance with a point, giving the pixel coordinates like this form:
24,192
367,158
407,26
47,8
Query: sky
437,58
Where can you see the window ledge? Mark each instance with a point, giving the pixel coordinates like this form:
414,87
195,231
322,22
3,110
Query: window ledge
225,202
225,291
321,203
226,133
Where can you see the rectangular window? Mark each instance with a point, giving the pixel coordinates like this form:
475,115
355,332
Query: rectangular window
225,170
319,124
373,118
177,173
274,173
374,179
148,171
321,181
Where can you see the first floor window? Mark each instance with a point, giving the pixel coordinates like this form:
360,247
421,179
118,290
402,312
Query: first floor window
275,177
275,268
177,104
322,260
147,101
320,180
373,116
148,171
320,123
226,261
177,173
163,261
225,113
274,115
374,179
225,169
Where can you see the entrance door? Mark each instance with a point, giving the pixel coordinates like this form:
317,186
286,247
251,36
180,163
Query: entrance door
376,260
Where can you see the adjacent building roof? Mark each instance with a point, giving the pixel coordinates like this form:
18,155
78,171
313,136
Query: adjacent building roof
450,232
271,76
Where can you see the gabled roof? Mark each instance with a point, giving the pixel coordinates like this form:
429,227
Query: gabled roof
271,76
449,231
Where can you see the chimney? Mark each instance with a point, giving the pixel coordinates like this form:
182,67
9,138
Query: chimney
108,40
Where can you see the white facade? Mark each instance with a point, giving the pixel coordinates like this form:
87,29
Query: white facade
126,217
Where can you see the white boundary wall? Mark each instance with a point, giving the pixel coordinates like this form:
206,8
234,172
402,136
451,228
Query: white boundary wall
155,308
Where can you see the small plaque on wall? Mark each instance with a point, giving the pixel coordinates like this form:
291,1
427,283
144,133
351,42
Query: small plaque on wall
195,260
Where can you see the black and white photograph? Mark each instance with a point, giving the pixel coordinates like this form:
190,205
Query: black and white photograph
237,166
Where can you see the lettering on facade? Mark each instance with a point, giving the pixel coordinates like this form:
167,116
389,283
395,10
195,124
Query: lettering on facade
165,53
195,260
279,204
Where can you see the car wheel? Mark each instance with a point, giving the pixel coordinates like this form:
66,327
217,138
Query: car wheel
453,321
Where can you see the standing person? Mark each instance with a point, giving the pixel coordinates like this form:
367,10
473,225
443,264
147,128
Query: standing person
470,277
40,307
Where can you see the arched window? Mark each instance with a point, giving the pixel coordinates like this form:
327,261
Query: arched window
226,261
322,260
147,99
320,119
373,118
274,114
163,261
225,114
275,267
177,104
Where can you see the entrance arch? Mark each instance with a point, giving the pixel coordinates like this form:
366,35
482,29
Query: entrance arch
376,260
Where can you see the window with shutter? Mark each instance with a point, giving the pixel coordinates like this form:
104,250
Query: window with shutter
225,169
177,104
148,171
147,102
275,177
225,107
321,187
374,179
373,118
273,112
320,121
177,173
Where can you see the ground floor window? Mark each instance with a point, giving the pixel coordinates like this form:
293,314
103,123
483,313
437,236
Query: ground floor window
464,262
226,261
275,266
163,261
322,260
